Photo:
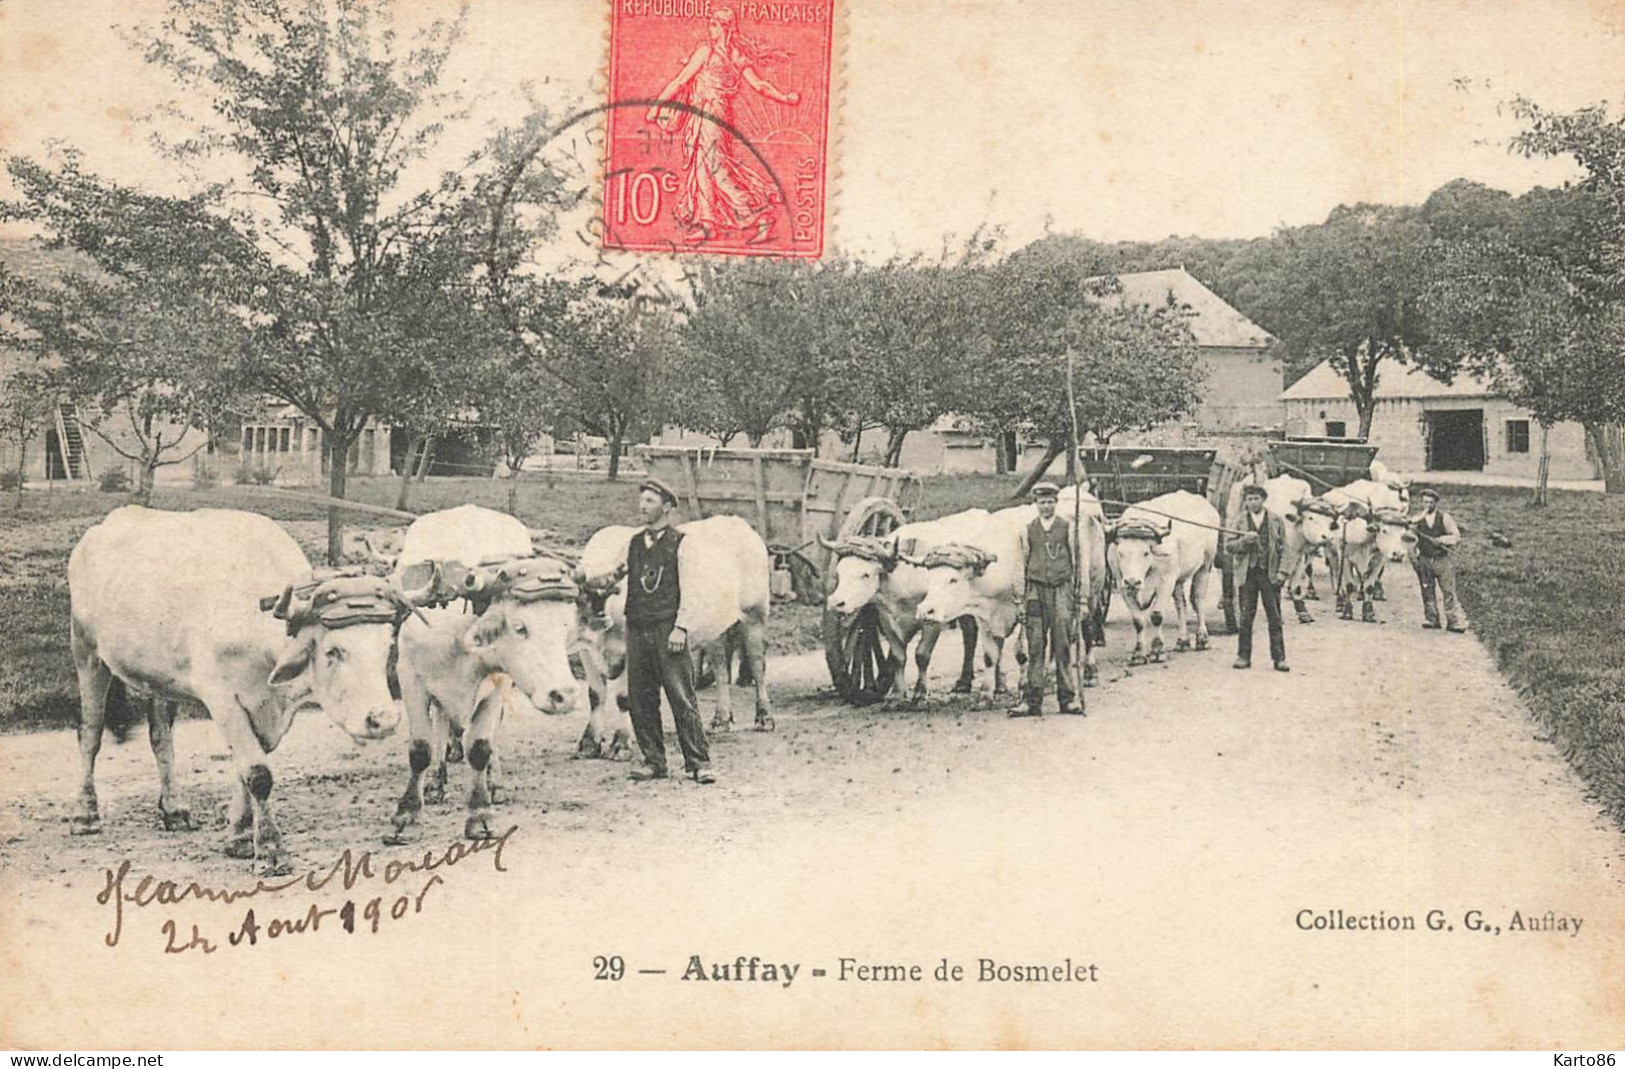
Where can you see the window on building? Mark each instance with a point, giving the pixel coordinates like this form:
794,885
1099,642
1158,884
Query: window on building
1336,428
1517,436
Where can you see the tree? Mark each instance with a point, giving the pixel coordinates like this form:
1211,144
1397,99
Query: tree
27,400
325,244
1134,367
1347,290
1595,264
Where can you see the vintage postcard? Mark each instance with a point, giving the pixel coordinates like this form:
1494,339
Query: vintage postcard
814,524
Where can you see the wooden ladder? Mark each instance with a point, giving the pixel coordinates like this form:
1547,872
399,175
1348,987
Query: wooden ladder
72,441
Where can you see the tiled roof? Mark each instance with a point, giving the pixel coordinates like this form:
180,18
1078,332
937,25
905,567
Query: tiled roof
1394,381
1215,323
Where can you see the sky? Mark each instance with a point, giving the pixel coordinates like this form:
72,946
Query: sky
1115,119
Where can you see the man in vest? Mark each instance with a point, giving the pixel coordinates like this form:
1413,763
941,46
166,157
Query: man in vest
1437,537
1258,552
1046,547
656,647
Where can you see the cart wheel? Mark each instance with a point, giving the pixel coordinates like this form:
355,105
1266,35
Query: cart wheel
873,517
860,660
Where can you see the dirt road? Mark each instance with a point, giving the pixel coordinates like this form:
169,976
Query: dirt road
1183,839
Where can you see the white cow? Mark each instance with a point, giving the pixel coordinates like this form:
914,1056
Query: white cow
173,604
725,572
980,575
1367,539
881,570
1309,521
502,640
1163,564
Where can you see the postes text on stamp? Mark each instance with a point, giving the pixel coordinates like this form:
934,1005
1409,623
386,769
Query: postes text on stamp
718,126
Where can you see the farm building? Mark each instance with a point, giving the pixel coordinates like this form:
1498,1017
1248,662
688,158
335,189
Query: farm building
1423,424
1244,376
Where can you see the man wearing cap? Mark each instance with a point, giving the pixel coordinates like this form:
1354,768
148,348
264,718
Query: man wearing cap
656,647
1046,547
1258,551
1437,537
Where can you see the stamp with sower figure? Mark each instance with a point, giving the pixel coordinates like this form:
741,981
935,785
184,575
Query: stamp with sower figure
718,126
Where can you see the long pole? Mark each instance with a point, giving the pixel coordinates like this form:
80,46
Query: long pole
1080,582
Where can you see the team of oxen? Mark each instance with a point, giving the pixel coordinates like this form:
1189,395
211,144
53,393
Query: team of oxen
222,609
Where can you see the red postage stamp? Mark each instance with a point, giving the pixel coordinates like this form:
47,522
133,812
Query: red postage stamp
718,126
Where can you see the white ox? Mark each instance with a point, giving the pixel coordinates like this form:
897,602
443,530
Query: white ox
173,604
461,668
1368,538
1163,565
877,570
979,575
1310,524
725,572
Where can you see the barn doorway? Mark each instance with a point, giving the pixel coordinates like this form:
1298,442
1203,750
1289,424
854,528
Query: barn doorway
1456,440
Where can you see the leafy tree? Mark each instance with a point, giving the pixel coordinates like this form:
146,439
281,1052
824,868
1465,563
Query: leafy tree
325,243
27,401
1347,290
1591,252
140,359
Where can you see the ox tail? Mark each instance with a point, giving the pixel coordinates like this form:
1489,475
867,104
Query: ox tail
123,713
736,644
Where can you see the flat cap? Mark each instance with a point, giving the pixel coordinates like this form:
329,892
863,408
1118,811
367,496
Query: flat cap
1428,491
1254,490
660,487
1045,489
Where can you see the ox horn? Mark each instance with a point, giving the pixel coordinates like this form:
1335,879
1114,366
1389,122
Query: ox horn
824,541
404,603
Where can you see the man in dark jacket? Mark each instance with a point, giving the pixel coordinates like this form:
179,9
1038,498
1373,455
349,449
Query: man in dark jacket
1046,550
1258,552
1435,562
656,648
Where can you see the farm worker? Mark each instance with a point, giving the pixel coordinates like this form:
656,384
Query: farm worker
656,648
1046,547
1437,537
1259,551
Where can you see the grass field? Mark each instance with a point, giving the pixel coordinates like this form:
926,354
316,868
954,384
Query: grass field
1551,609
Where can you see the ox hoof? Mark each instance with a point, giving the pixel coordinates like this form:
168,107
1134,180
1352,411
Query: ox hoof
1201,642
1136,659
589,746
177,819
722,723
274,864
86,822
962,687
478,826
1310,595
404,834
764,722
1305,618
1182,645
242,848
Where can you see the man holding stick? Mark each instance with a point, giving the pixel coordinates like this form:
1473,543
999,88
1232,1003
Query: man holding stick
1047,547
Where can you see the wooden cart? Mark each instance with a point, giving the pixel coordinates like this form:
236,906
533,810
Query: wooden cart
792,498
1325,464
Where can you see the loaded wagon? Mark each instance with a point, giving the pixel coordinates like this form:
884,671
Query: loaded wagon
1325,464
796,502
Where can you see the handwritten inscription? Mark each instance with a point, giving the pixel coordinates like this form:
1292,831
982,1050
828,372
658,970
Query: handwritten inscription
406,885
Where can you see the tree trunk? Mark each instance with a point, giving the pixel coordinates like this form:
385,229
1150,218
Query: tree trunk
894,446
857,445
1012,451
1544,471
143,489
615,454
1608,440
414,442
22,465
425,457
513,493
1050,453
1367,409
338,478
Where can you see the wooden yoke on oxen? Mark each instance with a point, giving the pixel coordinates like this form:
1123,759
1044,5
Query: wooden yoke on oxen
957,555
339,597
